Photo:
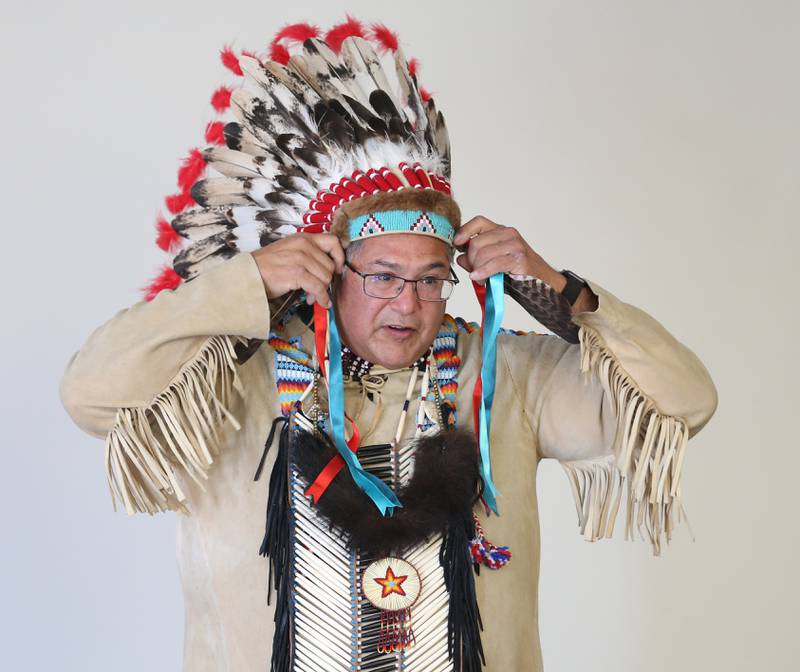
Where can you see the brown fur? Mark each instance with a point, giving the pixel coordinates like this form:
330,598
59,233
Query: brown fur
408,198
444,487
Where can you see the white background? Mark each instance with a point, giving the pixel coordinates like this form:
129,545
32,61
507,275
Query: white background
652,147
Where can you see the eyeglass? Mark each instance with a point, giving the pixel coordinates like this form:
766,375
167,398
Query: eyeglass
389,286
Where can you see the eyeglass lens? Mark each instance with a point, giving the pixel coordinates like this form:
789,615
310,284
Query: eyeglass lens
387,286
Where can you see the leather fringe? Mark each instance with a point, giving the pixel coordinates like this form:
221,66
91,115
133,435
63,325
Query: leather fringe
277,545
648,453
464,624
178,430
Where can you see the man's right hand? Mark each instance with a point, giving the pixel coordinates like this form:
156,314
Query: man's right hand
304,261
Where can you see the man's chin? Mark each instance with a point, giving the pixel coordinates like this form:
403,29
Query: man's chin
397,355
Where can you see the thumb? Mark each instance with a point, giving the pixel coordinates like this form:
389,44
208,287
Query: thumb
462,261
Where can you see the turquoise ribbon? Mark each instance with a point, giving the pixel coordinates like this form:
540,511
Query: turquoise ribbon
375,488
493,319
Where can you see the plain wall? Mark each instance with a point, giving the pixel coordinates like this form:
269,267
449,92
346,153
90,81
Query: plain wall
652,147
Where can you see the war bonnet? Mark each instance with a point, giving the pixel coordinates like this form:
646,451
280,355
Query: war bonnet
325,139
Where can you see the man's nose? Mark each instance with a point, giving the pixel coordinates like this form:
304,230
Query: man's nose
406,301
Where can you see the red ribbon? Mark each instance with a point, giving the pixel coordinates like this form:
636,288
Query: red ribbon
477,392
332,469
320,335
334,466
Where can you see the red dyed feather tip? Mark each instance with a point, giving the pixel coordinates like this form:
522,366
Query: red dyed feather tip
179,202
413,67
424,94
168,238
167,279
230,61
296,32
293,33
386,39
221,99
191,169
340,32
279,54
215,133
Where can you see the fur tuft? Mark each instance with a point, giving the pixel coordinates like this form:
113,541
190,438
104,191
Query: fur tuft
230,61
167,279
385,38
214,133
191,169
430,501
167,238
221,99
339,33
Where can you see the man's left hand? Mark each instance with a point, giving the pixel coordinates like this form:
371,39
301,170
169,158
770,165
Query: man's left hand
490,248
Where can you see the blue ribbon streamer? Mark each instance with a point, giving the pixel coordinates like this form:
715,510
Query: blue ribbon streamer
375,488
493,319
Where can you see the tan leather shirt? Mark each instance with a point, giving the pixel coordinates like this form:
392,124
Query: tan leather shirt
640,396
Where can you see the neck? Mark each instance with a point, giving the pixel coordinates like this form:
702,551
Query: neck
354,366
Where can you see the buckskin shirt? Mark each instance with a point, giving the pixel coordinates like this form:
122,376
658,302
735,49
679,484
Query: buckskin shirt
628,388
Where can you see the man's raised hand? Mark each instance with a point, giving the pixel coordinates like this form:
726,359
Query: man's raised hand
489,248
304,261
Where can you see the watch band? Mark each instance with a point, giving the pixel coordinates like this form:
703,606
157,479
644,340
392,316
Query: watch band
575,284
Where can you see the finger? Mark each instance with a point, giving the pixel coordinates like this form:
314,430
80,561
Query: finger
323,300
313,287
475,226
495,265
485,254
463,261
332,247
323,274
476,246
310,248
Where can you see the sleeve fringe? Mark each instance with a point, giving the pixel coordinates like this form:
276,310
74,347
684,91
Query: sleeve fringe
140,465
648,453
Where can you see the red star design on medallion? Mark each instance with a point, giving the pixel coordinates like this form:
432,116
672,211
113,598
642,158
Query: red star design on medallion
391,583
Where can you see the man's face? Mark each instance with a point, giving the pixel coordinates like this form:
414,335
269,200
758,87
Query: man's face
391,332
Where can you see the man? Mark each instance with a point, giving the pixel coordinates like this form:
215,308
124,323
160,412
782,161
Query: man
374,517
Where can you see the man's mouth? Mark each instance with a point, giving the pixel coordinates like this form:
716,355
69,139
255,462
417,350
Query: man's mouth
399,329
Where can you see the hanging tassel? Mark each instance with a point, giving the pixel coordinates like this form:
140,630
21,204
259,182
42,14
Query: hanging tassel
276,545
484,552
464,624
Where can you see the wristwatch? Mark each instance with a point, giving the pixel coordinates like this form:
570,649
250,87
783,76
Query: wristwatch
575,283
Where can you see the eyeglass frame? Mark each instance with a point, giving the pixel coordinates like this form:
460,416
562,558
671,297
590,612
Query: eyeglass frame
454,280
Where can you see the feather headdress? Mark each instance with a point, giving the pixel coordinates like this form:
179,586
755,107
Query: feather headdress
324,130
